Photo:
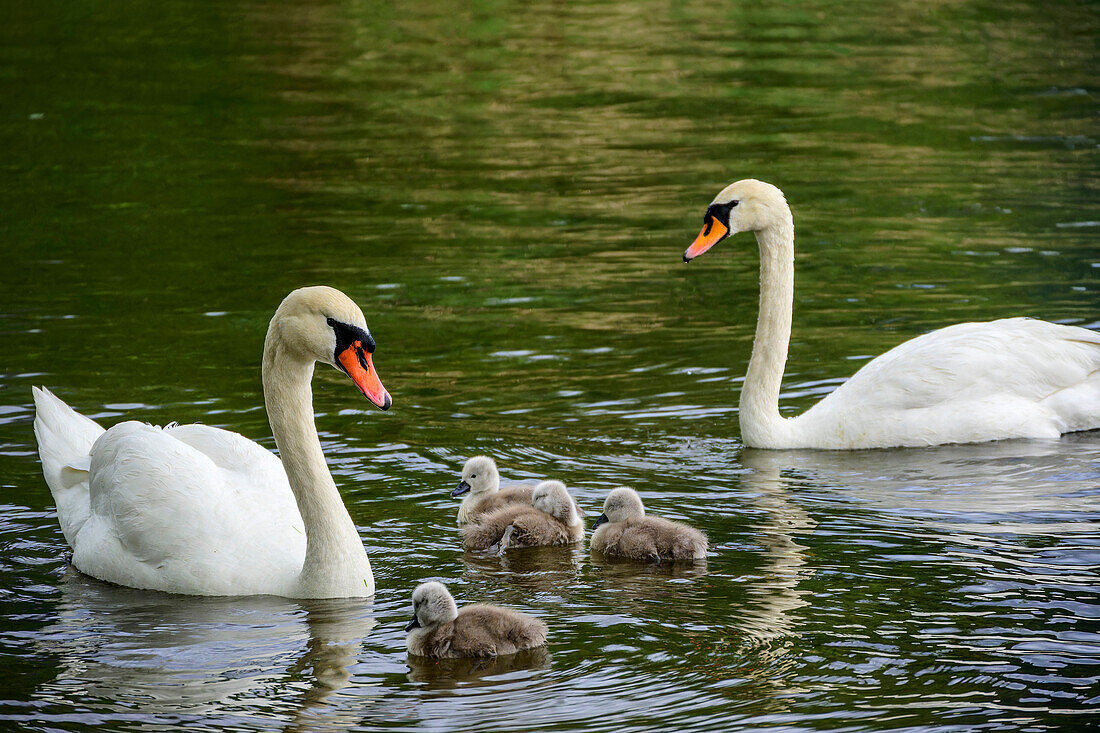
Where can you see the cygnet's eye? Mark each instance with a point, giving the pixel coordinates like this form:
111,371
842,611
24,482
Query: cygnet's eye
473,475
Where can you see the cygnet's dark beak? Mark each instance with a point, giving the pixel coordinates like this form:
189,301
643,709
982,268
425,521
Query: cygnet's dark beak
459,490
414,624
602,520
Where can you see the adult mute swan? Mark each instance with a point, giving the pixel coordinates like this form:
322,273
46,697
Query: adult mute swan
967,383
203,511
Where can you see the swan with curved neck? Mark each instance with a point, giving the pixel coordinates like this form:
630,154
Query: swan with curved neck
971,382
203,511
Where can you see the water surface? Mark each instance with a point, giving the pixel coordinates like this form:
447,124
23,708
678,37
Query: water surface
506,189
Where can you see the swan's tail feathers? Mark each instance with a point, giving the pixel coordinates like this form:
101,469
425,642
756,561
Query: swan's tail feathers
1078,407
65,439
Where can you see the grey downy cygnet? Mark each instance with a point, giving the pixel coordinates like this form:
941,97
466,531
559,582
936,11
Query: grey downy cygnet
550,519
624,530
441,630
480,487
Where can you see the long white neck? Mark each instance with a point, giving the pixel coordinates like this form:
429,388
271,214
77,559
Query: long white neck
336,564
761,424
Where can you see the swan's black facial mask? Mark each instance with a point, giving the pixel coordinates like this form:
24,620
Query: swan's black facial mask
347,334
354,354
719,213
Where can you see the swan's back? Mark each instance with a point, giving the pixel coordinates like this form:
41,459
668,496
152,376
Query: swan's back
1022,357
539,529
496,500
479,631
170,509
1016,377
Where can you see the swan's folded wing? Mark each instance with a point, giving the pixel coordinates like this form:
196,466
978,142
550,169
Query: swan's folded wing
259,469
149,494
1010,358
165,515
490,630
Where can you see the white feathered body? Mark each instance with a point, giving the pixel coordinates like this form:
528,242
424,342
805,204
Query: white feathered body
184,509
971,382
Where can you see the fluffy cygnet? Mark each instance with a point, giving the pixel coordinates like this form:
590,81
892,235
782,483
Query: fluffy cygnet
550,519
623,530
481,486
439,629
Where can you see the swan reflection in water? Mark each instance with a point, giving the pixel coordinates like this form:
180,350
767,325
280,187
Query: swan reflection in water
957,496
956,485
773,593
1036,487
155,654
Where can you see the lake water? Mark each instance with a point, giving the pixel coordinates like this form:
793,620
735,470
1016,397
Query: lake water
506,188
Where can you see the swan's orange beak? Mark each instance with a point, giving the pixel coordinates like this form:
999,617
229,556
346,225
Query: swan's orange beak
359,364
713,232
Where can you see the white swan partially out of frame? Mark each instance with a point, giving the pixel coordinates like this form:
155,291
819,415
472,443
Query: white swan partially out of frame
967,383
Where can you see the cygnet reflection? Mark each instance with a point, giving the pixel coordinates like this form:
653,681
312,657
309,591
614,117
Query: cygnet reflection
475,672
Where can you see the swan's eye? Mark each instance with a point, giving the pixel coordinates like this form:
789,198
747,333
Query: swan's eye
719,213
331,321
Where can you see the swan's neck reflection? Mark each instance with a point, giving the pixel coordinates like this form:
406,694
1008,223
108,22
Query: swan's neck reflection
776,593
337,628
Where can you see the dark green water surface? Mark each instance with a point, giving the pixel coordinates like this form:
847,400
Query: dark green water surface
506,189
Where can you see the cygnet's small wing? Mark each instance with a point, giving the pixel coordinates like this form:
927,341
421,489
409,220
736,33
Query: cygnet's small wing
488,529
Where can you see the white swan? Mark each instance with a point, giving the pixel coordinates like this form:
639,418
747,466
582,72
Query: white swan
967,383
203,511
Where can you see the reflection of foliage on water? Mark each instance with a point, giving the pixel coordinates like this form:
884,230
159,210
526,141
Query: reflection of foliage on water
507,189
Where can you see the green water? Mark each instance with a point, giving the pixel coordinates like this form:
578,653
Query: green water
506,189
